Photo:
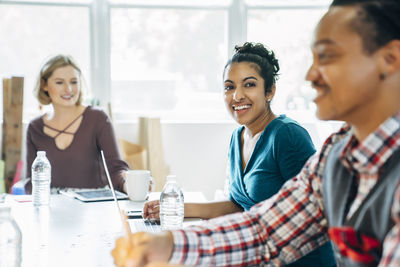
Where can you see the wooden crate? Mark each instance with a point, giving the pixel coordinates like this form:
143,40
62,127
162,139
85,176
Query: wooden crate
13,94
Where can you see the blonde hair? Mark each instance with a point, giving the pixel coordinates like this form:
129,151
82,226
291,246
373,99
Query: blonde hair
47,70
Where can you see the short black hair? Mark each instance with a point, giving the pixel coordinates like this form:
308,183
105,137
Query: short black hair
377,21
267,64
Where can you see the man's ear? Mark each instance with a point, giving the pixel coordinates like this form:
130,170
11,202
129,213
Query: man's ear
391,57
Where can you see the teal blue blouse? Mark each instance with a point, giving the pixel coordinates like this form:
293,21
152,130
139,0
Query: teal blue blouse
279,154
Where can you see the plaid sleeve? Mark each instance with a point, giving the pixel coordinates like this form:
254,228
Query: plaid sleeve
276,231
391,244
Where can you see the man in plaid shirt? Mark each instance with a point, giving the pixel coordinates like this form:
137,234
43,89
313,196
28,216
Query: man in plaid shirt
349,193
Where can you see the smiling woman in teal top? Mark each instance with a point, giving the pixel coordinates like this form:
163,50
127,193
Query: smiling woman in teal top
265,152
279,154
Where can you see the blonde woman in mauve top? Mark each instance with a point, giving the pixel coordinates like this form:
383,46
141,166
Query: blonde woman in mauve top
72,134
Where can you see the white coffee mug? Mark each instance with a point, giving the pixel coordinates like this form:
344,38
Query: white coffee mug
137,184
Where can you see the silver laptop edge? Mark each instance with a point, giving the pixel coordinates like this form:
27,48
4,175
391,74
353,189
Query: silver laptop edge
150,226
112,188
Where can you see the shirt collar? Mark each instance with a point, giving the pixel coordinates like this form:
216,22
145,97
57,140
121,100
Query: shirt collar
370,155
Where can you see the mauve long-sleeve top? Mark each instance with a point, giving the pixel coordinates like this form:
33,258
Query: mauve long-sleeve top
80,164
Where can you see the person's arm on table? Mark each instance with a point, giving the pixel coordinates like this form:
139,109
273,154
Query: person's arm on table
211,209
151,209
279,230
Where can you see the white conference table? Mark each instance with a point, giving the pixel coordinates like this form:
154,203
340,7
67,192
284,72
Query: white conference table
73,233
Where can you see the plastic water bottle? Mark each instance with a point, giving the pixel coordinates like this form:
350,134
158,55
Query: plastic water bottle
10,239
41,179
171,205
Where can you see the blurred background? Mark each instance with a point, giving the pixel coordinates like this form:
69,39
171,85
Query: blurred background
165,59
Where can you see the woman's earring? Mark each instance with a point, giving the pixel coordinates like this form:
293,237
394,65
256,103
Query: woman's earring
383,75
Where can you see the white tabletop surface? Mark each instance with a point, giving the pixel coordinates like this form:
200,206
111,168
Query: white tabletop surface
73,233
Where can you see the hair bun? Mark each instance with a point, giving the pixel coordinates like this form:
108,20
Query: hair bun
259,50
252,48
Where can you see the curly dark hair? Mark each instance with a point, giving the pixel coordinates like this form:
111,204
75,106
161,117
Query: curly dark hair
267,64
377,21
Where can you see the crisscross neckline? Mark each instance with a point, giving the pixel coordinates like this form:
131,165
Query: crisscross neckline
65,128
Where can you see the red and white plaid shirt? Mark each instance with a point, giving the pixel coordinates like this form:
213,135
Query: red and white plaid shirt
292,223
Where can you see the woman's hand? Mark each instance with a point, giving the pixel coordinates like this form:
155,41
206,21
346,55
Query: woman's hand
142,248
151,210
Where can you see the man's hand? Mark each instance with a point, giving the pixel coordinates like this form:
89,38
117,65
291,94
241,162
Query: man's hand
142,248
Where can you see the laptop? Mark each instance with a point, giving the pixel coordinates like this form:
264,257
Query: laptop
135,219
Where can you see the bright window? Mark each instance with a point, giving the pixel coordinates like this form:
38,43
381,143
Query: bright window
33,33
288,32
167,61
159,57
